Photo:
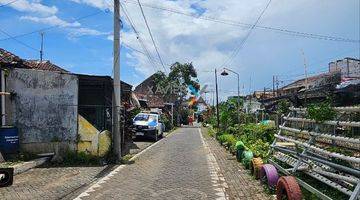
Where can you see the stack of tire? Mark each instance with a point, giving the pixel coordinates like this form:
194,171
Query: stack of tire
286,187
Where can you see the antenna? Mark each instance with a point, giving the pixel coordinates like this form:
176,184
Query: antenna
42,46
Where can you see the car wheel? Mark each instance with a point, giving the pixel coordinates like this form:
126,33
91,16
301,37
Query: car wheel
162,134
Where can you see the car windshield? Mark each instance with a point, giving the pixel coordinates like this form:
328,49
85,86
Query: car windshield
145,117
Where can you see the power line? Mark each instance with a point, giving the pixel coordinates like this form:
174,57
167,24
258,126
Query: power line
139,51
54,26
6,4
18,41
317,62
247,25
152,38
242,43
142,43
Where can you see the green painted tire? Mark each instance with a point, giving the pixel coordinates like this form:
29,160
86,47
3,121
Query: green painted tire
239,153
247,156
239,145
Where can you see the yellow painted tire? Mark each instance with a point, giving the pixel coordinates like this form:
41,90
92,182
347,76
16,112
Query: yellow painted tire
255,166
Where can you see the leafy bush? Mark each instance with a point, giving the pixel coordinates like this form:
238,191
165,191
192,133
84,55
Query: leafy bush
227,139
167,122
283,106
80,158
321,112
256,137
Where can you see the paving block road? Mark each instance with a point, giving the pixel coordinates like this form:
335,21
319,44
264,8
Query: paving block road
181,166
187,164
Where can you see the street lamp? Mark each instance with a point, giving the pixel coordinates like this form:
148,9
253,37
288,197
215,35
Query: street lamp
225,73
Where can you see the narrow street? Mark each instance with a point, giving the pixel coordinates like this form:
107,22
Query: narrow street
180,166
175,168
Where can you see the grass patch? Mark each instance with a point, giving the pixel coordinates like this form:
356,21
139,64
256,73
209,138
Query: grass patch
72,158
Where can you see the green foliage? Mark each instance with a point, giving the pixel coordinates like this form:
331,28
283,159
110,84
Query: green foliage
211,132
260,148
283,106
134,112
228,140
184,114
321,112
167,122
256,137
79,158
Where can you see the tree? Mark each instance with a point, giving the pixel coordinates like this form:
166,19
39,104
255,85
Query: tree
174,86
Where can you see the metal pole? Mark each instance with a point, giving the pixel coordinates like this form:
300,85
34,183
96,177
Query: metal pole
117,83
238,98
172,114
42,46
273,85
217,102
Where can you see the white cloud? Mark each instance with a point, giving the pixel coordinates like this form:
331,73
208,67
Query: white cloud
208,44
51,20
102,4
75,28
32,6
77,32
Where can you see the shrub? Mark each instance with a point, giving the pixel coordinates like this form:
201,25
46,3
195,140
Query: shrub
80,158
167,122
321,112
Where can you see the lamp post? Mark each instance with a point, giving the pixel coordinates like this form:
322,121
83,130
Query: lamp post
217,102
224,73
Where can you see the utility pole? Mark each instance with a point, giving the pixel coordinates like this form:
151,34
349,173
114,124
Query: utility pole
274,85
117,83
277,86
217,102
306,77
42,46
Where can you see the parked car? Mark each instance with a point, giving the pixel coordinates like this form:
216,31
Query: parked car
148,125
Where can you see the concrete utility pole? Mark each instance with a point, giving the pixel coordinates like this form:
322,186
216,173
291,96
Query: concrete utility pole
117,83
42,46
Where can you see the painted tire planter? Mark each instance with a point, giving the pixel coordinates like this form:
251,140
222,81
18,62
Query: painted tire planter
247,156
255,166
288,188
269,175
240,147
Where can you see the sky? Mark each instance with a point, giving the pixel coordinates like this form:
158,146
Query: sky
78,37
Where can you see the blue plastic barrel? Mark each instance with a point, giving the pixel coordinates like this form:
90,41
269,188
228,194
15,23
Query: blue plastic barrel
9,140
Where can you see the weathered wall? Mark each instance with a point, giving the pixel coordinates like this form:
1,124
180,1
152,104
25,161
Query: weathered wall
44,109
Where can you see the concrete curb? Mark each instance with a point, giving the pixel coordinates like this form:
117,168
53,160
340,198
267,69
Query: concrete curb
25,166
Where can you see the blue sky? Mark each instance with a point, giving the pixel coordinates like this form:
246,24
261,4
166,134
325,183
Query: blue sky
85,46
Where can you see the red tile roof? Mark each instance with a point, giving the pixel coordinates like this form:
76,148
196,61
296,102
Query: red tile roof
44,65
153,101
7,57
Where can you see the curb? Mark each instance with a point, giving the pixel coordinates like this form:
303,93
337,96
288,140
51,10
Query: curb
25,166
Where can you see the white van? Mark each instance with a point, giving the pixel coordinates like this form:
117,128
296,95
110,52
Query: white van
149,125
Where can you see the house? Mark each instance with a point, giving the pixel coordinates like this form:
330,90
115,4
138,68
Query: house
146,93
263,94
55,110
44,65
348,67
95,113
